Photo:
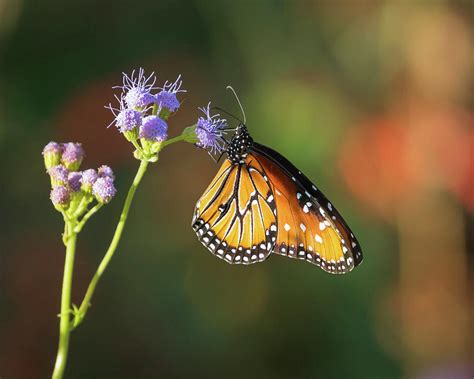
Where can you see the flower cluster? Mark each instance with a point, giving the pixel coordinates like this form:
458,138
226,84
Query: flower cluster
72,190
144,110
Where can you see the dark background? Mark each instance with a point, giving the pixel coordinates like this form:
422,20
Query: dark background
371,99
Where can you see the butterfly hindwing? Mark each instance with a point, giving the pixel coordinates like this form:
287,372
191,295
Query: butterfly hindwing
236,217
309,227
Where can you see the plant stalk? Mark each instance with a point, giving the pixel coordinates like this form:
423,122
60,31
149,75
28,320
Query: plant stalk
65,316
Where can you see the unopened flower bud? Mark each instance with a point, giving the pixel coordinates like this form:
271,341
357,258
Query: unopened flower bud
59,175
72,156
60,197
105,171
104,190
88,179
74,180
52,154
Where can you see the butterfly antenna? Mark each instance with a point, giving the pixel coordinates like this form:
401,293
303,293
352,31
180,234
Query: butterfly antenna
238,101
227,113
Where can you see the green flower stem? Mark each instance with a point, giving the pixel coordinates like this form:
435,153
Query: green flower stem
181,137
65,315
87,216
113,245
66,230
81,207
136,145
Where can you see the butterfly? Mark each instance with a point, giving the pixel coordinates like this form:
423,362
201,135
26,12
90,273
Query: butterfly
259,203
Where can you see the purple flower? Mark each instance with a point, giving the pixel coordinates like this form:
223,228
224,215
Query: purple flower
73,153
74,180
59,175
88,179
104,190
52,154
154,129
105,171
137,98
167,97
210,130
137,89
60,196
128,119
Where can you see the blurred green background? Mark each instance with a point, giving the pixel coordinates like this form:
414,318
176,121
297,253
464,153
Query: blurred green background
371,99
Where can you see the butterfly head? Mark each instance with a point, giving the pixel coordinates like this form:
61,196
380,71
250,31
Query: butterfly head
240,144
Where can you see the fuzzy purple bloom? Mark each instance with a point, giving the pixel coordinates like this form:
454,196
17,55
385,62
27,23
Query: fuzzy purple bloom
59,195
137,89
105,172
73,154
89,177
167,100
59,174
53,148
74,180
154,129
128,119
210,130
104,190
138,98
167,97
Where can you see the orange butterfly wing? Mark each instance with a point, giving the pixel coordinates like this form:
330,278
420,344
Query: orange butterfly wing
236,216
309,227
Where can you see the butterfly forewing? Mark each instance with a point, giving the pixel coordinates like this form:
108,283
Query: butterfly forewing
236,217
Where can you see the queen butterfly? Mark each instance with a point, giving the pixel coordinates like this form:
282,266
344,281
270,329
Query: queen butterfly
260,203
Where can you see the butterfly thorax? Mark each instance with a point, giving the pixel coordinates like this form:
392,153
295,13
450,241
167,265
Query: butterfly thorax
240,145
